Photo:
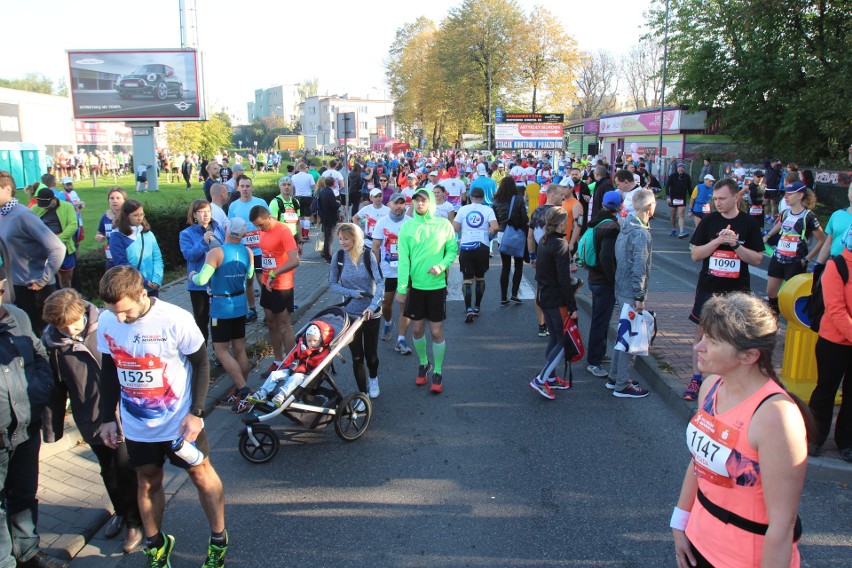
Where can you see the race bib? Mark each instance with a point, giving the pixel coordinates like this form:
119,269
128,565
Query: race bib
755,210
141,377
251,238
788,245
724,264
392,257
677,202
290,217
108,253
705,208
711,443
268,263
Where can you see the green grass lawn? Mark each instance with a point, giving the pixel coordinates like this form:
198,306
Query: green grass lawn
169,194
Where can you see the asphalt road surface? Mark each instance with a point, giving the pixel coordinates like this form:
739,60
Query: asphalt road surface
109,104
486,474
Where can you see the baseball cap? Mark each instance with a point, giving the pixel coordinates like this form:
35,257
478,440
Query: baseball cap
612,199
421,191
758,174
794,187
412,176
710,177
285,179
44,196
681,165
67,179
477,192
237,227
239,168
374,192
396,197
433,173
480,168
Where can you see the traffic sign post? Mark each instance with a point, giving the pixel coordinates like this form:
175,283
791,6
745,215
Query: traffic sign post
345,131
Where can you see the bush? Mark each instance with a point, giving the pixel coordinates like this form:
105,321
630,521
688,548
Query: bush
90,268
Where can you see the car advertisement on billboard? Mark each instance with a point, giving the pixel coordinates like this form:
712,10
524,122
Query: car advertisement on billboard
144,85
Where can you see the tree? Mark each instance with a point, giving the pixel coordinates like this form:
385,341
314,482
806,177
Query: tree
775,72
203,137
548,62
597,83
642,70
307,88
32,82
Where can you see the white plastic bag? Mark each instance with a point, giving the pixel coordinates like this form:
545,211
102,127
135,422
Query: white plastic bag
636,331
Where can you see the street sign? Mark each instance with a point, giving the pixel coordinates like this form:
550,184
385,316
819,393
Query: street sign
346,126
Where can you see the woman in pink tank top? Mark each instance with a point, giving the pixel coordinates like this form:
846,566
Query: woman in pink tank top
740,496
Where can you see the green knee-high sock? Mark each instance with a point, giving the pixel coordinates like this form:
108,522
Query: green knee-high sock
466,292
420,347
438,350
480,291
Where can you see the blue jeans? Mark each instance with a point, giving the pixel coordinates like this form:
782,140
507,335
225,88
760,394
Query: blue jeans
603,303
19,509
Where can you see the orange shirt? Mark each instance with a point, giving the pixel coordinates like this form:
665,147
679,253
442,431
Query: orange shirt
568,206
275,245
836,322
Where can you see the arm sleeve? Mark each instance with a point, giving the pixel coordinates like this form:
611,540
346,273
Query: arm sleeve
110,390
157,258
200,380
203,277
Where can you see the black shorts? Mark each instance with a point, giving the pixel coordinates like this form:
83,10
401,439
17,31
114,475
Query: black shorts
305,205
474,263
141,179
390,284
699,214
784,271
258,263
224,330
673,206
426,304
276,301
701,297
155,453
772,195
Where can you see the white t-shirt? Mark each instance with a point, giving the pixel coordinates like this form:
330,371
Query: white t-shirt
369,217
302,184
150,356
387,231
219,216
454,187
474,220
444,209
519,175
338,180
529,173
627,203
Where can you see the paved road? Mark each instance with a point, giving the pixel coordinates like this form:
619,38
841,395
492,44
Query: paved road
486,474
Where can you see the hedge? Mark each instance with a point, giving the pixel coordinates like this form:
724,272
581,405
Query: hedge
166,223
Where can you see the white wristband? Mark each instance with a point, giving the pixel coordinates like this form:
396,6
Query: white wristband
679,519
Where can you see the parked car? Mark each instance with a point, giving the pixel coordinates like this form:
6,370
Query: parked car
154,80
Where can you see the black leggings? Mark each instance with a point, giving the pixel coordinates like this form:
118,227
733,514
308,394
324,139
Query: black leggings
201,310
516,277
365,343
120,481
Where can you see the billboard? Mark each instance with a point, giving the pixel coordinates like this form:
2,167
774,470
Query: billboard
531,131
137,85
641,123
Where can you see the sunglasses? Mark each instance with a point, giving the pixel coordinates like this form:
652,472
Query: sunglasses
383,179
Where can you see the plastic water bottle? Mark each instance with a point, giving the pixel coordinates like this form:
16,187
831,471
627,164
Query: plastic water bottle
187,451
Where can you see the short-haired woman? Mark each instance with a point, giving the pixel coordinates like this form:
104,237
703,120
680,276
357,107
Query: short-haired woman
196,241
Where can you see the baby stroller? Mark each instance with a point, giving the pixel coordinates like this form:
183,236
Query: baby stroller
312,399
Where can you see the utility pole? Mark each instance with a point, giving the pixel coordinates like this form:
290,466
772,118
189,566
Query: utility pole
188,24
663,95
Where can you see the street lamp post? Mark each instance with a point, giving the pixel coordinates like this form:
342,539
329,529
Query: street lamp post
663,94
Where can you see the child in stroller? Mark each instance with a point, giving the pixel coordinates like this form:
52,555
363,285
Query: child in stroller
310,352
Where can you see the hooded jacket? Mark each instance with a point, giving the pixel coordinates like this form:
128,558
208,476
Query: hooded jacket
605,226
67,220
76,364
142,253
424,242
633,259
195,250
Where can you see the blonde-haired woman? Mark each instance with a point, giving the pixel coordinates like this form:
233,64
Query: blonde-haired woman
363,286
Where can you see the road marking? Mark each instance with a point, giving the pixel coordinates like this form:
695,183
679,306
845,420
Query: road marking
526,291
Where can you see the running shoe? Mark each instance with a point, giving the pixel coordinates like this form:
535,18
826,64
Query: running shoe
846,454
242,404
215,556
252,316
597,371
159,557
437,386
476,311
691,392
229,397
577,285
386,330
468,316
683,235
374,387
673,233
504,303
402,347
423,374
515,300
542,389
610,384
631,391
559,383
269,370
542,331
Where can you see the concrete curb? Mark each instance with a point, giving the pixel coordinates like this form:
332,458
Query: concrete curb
669,388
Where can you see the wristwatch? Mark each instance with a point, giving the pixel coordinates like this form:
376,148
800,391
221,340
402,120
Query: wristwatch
197,412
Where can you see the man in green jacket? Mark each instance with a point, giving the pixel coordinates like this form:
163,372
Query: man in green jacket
61,218
427,248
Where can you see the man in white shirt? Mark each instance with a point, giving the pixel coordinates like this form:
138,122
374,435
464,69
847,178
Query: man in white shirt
477,225
368,216
219,197
338,177
303,189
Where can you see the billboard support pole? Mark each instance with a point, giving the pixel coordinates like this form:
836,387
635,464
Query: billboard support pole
145,151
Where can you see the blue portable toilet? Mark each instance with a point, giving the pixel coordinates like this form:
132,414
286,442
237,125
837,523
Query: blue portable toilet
34,160
12,162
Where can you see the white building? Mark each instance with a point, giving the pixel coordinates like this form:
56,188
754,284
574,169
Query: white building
279,100
318,116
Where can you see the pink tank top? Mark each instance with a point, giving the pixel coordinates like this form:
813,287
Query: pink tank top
728,471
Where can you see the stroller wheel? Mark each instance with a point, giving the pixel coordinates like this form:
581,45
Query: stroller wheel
353,416
265,451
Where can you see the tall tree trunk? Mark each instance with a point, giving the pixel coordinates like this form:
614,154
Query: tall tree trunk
535,92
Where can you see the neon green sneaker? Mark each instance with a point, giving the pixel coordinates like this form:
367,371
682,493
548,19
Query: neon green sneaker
159,557
215,556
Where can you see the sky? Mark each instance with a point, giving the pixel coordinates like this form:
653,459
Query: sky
342,43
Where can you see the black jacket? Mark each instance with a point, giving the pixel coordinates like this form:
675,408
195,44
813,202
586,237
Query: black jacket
25,380
605,237
553,274
328,206
76,365
601,187
773,177
518,218
679,186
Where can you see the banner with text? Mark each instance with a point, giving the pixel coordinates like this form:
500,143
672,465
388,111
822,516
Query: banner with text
532,131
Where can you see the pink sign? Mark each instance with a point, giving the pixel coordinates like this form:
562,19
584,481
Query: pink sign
641,123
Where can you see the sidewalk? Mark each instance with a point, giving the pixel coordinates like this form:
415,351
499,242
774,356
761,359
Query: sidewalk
73,505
